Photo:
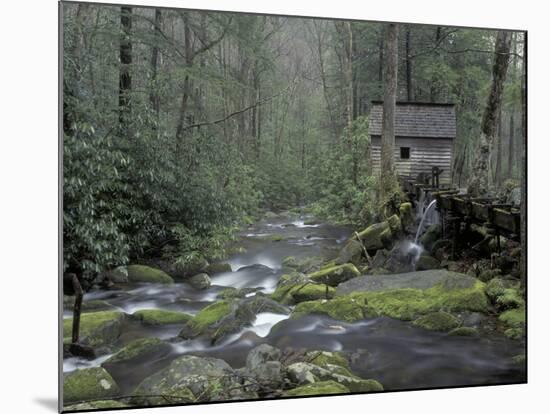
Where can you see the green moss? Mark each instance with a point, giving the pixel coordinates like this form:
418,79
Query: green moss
218,268
96,405
334,275
136,348
464,331
514,333
406,214
161,317
90,322
437,321
304,265
364,385
317,388
323,358
276,237
403,304
140,274
210,315
343,308
372,237
87,384
514,317
303,292
395,223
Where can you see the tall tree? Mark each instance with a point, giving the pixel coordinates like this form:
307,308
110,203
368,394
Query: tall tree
154,96
125,77
408,64
387,181
478,184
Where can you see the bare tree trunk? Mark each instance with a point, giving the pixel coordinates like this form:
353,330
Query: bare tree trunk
381,63
186,81
349,73
408,65
433,87
154,97
320,50
387,179
125,78
511,147
498,166
479,181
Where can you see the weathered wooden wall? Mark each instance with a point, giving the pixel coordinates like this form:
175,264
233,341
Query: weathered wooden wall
425,153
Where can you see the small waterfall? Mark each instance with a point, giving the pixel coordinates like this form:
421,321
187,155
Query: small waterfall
426,217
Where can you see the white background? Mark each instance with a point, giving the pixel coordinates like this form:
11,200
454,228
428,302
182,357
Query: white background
28,205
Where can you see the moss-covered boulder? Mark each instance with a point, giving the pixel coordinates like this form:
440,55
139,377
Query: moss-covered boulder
234,293
137,352
352,252
426,262
226,317
395,224
146,274
325,358
430,236
96,328
376,236
302,265
182,269
437,321
190,379
214,268
207,317
464,331
347,308
317,388
304,372
406,214
96,405
292,294
335,275
200,281
88,384
161,317
432,292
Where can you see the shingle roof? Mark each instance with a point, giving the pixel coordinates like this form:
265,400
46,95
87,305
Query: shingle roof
417,120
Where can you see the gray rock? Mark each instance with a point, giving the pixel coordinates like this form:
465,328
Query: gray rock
352,252
426,262
201,281
417,280
190,377
300,373
260,355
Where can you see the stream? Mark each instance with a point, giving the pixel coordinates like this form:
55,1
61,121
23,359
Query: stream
393,352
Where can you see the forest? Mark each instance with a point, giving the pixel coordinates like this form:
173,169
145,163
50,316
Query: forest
178,125
191,137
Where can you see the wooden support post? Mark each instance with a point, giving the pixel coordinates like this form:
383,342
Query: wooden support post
78,295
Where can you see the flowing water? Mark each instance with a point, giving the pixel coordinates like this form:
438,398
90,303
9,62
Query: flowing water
396,353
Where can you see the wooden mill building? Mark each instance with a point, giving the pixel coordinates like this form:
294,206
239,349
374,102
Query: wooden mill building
424,138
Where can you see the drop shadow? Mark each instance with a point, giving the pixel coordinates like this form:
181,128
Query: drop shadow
49,403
